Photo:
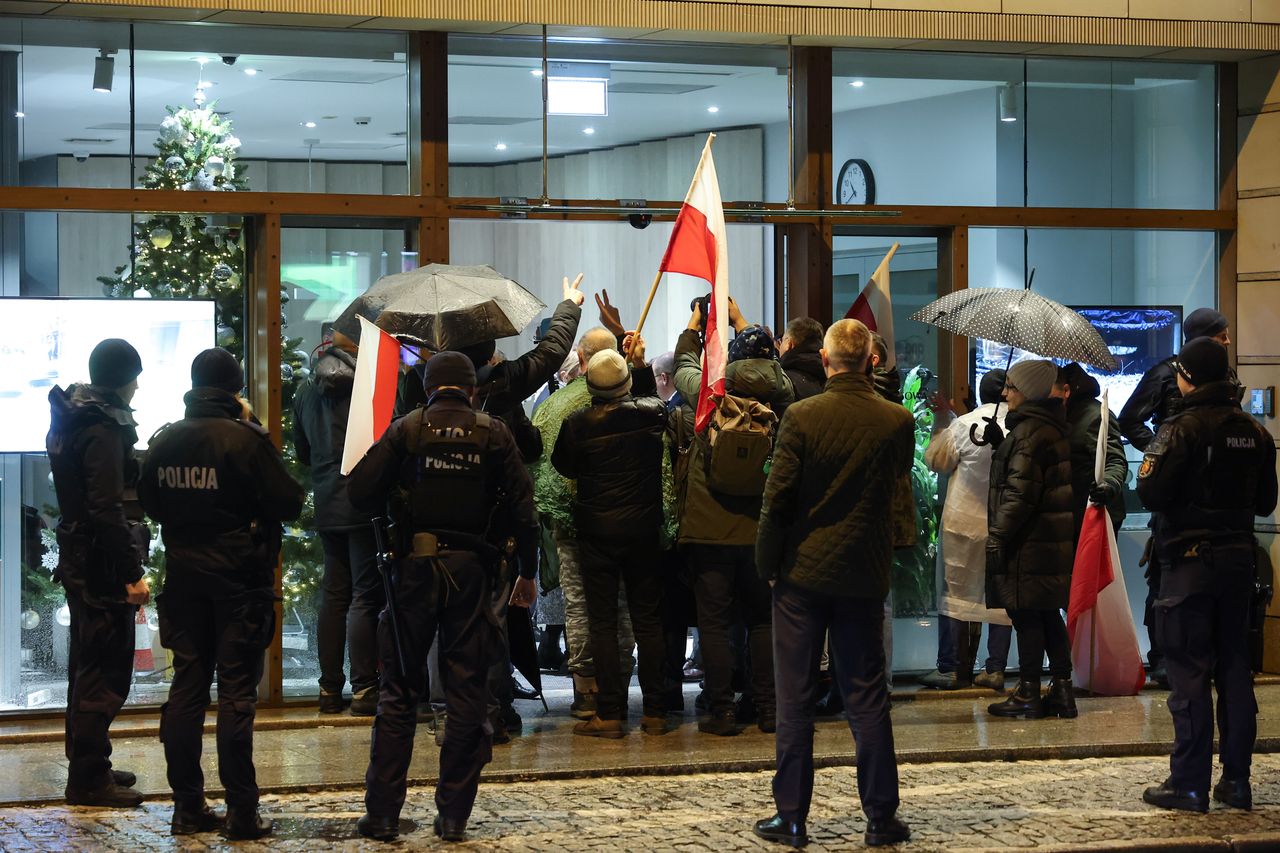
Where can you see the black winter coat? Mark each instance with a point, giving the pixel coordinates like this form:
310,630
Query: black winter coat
320,412
1155,398
220,490
614,450
805,371
1029,541
1084,419
90,445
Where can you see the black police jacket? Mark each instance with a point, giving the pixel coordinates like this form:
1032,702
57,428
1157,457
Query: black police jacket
320,412
504,386
1210,470
390,466
1155,398
220,490
805,370
1030,547
614,450
90,445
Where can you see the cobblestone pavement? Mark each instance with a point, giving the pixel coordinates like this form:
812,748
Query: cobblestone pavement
971,806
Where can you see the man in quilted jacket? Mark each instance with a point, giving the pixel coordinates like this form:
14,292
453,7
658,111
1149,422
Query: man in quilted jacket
825,544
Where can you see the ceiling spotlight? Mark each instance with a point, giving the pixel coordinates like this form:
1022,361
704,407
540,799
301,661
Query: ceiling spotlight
307,124
536,72
251,72
588,130
501,146
1008,100
104,70
713,109
202,59
19,114
857,84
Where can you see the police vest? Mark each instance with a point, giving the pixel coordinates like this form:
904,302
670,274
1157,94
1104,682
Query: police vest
449,490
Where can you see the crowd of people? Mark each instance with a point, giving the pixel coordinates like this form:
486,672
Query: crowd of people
766,519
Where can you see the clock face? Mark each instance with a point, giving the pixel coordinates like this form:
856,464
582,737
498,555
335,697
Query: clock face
856,184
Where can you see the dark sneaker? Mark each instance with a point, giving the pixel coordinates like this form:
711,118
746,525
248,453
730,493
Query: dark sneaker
1171,798
109,796
1235,793
782,832
364,703
890,830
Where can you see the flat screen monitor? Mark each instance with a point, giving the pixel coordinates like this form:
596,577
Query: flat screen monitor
1138,336
46,342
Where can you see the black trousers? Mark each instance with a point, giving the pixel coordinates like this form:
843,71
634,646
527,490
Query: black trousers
730,592
351,598
207,635
801,619
99,671
1041,631
1204,637
500,685
636,565
451,594
1155,656
679,611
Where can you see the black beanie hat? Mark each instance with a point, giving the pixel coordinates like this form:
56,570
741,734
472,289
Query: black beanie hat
1203,360
217,368
449,368
990,386
1203,323
114,363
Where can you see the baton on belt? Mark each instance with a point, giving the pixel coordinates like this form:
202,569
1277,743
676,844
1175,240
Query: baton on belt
383,558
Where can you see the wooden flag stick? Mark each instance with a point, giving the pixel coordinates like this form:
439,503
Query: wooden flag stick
653,291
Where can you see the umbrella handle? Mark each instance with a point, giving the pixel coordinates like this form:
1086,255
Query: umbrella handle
973,436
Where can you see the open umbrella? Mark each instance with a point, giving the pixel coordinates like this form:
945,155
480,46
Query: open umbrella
443,307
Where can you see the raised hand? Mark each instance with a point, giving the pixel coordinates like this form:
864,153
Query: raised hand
573,292
610,316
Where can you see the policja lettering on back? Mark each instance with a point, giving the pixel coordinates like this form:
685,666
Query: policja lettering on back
459,485
187,477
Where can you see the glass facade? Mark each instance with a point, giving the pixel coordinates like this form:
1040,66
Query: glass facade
280,111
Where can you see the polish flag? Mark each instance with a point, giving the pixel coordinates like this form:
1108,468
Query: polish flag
1105,658
873,305
373,394
699,247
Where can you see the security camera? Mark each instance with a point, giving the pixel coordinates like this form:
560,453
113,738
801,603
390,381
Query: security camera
81,156
229,59
362,121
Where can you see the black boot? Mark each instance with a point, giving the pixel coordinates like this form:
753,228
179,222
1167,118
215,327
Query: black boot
1167,797
550,658
246,824
191,818
967,642
450,829
1235,793
782,831
1022,702
378,828
108,796
1060,701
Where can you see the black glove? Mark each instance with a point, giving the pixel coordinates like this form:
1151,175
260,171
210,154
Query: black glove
995,559
991,433
1102,494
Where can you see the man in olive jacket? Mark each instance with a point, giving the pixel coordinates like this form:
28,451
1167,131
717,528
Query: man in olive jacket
825,544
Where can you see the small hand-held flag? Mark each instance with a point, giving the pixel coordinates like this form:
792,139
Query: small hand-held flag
373,394
874,307
1105,658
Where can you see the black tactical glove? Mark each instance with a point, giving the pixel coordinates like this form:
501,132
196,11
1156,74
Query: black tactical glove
1102,494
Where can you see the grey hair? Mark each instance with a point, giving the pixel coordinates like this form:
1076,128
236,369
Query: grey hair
594,340
665,363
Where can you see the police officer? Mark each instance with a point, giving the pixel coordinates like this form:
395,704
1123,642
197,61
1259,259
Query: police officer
1155,399
458,475
220,490
1209,471
101,546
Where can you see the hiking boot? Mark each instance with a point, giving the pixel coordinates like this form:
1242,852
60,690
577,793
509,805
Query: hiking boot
1024,701
584,697
654,725
1060,700
596,727
990,680
365,702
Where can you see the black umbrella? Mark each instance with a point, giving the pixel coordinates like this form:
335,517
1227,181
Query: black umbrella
523,648
443,307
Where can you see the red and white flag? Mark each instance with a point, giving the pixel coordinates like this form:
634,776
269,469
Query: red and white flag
699,247
373,394
874,306
1105,658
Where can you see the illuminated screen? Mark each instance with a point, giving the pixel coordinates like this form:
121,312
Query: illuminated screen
46,342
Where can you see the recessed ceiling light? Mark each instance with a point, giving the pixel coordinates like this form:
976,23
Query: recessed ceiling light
713,109
501,146
19,114
202,59
307,123
536,72
251,72
588,130
857,84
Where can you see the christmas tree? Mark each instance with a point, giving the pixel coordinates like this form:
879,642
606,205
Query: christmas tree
190,256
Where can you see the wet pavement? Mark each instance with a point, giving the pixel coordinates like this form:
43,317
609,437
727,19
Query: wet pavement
1090,804
300,750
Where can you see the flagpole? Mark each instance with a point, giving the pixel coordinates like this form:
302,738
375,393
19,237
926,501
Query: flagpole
653,290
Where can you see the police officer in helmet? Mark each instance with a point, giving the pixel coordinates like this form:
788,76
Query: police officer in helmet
220,490
464,495
101,546
1209,471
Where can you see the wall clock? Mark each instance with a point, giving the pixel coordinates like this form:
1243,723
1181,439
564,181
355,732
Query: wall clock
856,184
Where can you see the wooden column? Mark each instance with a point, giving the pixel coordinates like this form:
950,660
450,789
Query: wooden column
1228,191
808,244
429,138
263,358
953,274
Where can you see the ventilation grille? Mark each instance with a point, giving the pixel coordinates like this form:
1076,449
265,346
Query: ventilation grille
655,88
336,76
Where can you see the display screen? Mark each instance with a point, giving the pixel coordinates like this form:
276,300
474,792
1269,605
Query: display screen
1138,337
46,342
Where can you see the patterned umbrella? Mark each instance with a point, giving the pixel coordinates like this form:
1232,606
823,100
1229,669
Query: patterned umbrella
1020,318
